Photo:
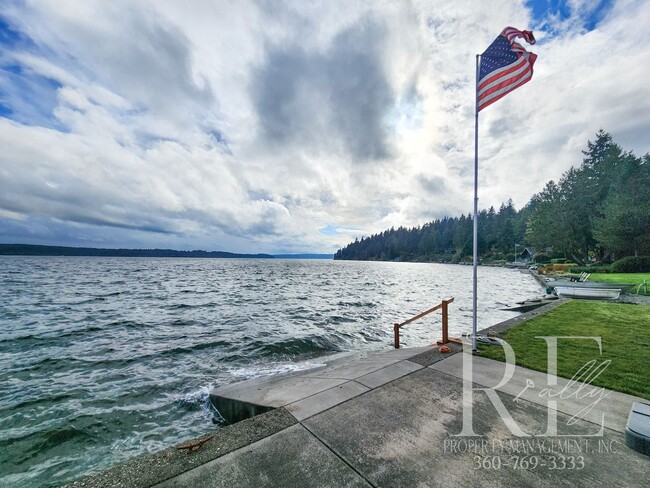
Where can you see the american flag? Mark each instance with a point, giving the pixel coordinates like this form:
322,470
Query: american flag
505,65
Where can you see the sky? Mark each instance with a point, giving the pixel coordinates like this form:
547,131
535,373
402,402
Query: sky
297,126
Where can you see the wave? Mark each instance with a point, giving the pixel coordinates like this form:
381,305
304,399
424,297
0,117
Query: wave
79,332
28,337
49,438
199,400
363,305
341,319
33,402
52,364
196,347
48,338
90,300
308,346
112,294
129,324
183,306
263,368
56,364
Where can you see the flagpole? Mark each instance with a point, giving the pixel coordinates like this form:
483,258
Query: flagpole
475,255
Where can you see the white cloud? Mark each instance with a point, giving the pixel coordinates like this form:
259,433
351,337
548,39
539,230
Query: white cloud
253,126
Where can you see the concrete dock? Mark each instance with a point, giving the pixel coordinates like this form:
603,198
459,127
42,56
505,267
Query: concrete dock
393,419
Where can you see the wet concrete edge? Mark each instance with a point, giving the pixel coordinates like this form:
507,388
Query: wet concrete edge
151,469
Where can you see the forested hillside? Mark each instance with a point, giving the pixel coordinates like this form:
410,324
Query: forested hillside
598,211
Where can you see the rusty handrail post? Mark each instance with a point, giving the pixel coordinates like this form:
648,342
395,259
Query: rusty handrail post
445,322
396,331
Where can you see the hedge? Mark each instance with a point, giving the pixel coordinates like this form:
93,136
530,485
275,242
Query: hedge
631,264
601,268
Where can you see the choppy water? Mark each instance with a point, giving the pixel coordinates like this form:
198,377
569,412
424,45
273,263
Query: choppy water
103,359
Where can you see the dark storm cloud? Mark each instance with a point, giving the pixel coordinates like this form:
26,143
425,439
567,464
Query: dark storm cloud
76,210
341,94
104,222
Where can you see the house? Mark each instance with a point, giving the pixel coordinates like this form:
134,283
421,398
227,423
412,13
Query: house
528,253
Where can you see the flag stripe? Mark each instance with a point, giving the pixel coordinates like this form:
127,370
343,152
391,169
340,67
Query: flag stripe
496,95
505,83
518,48
511,33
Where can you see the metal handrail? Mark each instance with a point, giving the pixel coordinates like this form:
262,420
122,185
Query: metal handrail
445,321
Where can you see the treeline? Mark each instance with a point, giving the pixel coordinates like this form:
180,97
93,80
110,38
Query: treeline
35,250
446,240
599,211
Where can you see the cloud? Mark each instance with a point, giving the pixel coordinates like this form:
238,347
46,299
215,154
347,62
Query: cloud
342,92
292,126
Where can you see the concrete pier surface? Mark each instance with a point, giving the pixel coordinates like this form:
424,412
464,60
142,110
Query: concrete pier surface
404,418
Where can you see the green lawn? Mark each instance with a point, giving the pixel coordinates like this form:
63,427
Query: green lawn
625,332
624,279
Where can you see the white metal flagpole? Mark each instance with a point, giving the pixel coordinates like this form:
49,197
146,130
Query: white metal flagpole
475,256
500,81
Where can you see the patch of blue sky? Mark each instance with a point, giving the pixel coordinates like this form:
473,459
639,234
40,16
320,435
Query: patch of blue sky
546,13
217,136
25,97
600,9
336,230
28,98
12,38
220,139
330,230
543,9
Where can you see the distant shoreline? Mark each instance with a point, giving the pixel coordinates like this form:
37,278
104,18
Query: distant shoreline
37,250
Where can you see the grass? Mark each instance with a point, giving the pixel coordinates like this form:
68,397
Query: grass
624,330
624,279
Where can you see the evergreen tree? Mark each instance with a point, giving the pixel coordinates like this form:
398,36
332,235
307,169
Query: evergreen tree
624,227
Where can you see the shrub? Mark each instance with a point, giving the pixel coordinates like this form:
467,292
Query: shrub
560,267
601,268
631,264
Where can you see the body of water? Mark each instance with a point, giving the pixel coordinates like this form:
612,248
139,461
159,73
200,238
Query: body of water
104,359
